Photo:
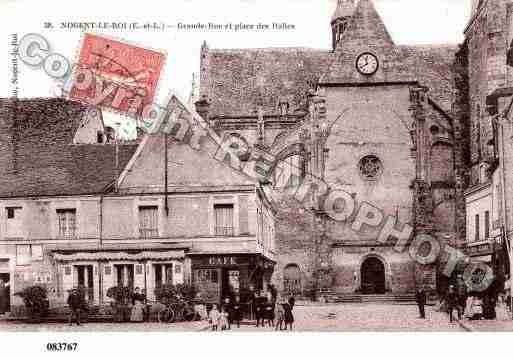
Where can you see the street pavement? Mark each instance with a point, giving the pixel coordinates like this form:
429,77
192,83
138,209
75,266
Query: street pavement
326,318
503,323
366,317
10,326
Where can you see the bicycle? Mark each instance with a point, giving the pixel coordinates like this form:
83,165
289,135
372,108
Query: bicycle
179,310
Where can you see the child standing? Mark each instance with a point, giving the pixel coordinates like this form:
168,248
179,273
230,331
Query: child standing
288,317
279,315
213,317
223,319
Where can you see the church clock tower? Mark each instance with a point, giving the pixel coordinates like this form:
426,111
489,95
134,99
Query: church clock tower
340,19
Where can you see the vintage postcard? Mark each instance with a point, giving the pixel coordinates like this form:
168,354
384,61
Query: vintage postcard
247,167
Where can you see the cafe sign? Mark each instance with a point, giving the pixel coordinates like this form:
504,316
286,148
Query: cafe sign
221,260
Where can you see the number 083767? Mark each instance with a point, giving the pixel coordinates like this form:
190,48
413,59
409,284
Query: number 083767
61,347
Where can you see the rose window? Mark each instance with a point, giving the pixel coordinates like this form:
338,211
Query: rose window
370,167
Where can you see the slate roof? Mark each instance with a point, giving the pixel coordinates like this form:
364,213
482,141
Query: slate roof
236,78
366,25
38,154
430,65
344,8
239,79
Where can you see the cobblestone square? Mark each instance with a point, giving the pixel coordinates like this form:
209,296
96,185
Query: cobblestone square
326,318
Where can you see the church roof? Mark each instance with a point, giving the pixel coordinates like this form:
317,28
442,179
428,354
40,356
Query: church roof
430,65
43,161
366,27
345,8
240,78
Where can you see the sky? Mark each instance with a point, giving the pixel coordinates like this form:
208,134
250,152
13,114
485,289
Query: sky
408,21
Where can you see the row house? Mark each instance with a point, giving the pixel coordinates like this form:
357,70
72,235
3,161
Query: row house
484,56
77,211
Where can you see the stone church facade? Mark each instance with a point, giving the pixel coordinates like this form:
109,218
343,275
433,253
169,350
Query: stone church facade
369,117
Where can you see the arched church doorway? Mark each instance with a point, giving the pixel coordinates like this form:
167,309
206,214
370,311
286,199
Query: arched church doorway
373,276
292,279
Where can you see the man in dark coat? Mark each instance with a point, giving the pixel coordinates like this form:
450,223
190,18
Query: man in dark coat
288,316
452,301
228,308
292,301
260,304
237,311
461,291
420,298
76,304
274,293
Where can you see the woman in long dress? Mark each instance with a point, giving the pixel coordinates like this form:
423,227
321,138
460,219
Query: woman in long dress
137,314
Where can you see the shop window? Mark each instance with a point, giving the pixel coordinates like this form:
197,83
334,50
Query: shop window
207,275
13,223
67,219
234,281
178,268
163,274
125,275
224,219
148,221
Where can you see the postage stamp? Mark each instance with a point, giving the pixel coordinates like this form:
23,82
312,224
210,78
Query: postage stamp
116,75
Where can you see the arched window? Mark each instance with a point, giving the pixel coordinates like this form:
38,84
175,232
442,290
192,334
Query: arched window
292,279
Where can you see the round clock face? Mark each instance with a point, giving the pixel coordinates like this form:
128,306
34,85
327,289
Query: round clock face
367,63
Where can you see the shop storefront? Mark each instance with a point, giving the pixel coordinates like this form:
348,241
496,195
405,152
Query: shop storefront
217,276
98,271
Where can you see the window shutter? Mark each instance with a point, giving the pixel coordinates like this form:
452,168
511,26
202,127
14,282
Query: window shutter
243,215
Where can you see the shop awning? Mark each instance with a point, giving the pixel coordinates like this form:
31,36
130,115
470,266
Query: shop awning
119,256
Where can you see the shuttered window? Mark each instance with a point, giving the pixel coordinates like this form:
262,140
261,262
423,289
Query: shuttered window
224,219
487,225
148,221
67,223
476,238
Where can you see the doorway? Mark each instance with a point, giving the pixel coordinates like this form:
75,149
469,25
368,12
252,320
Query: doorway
5,293
373,276
163,274
230,284
125,275
85,280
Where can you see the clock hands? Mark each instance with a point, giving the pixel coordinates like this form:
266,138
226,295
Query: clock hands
367,64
